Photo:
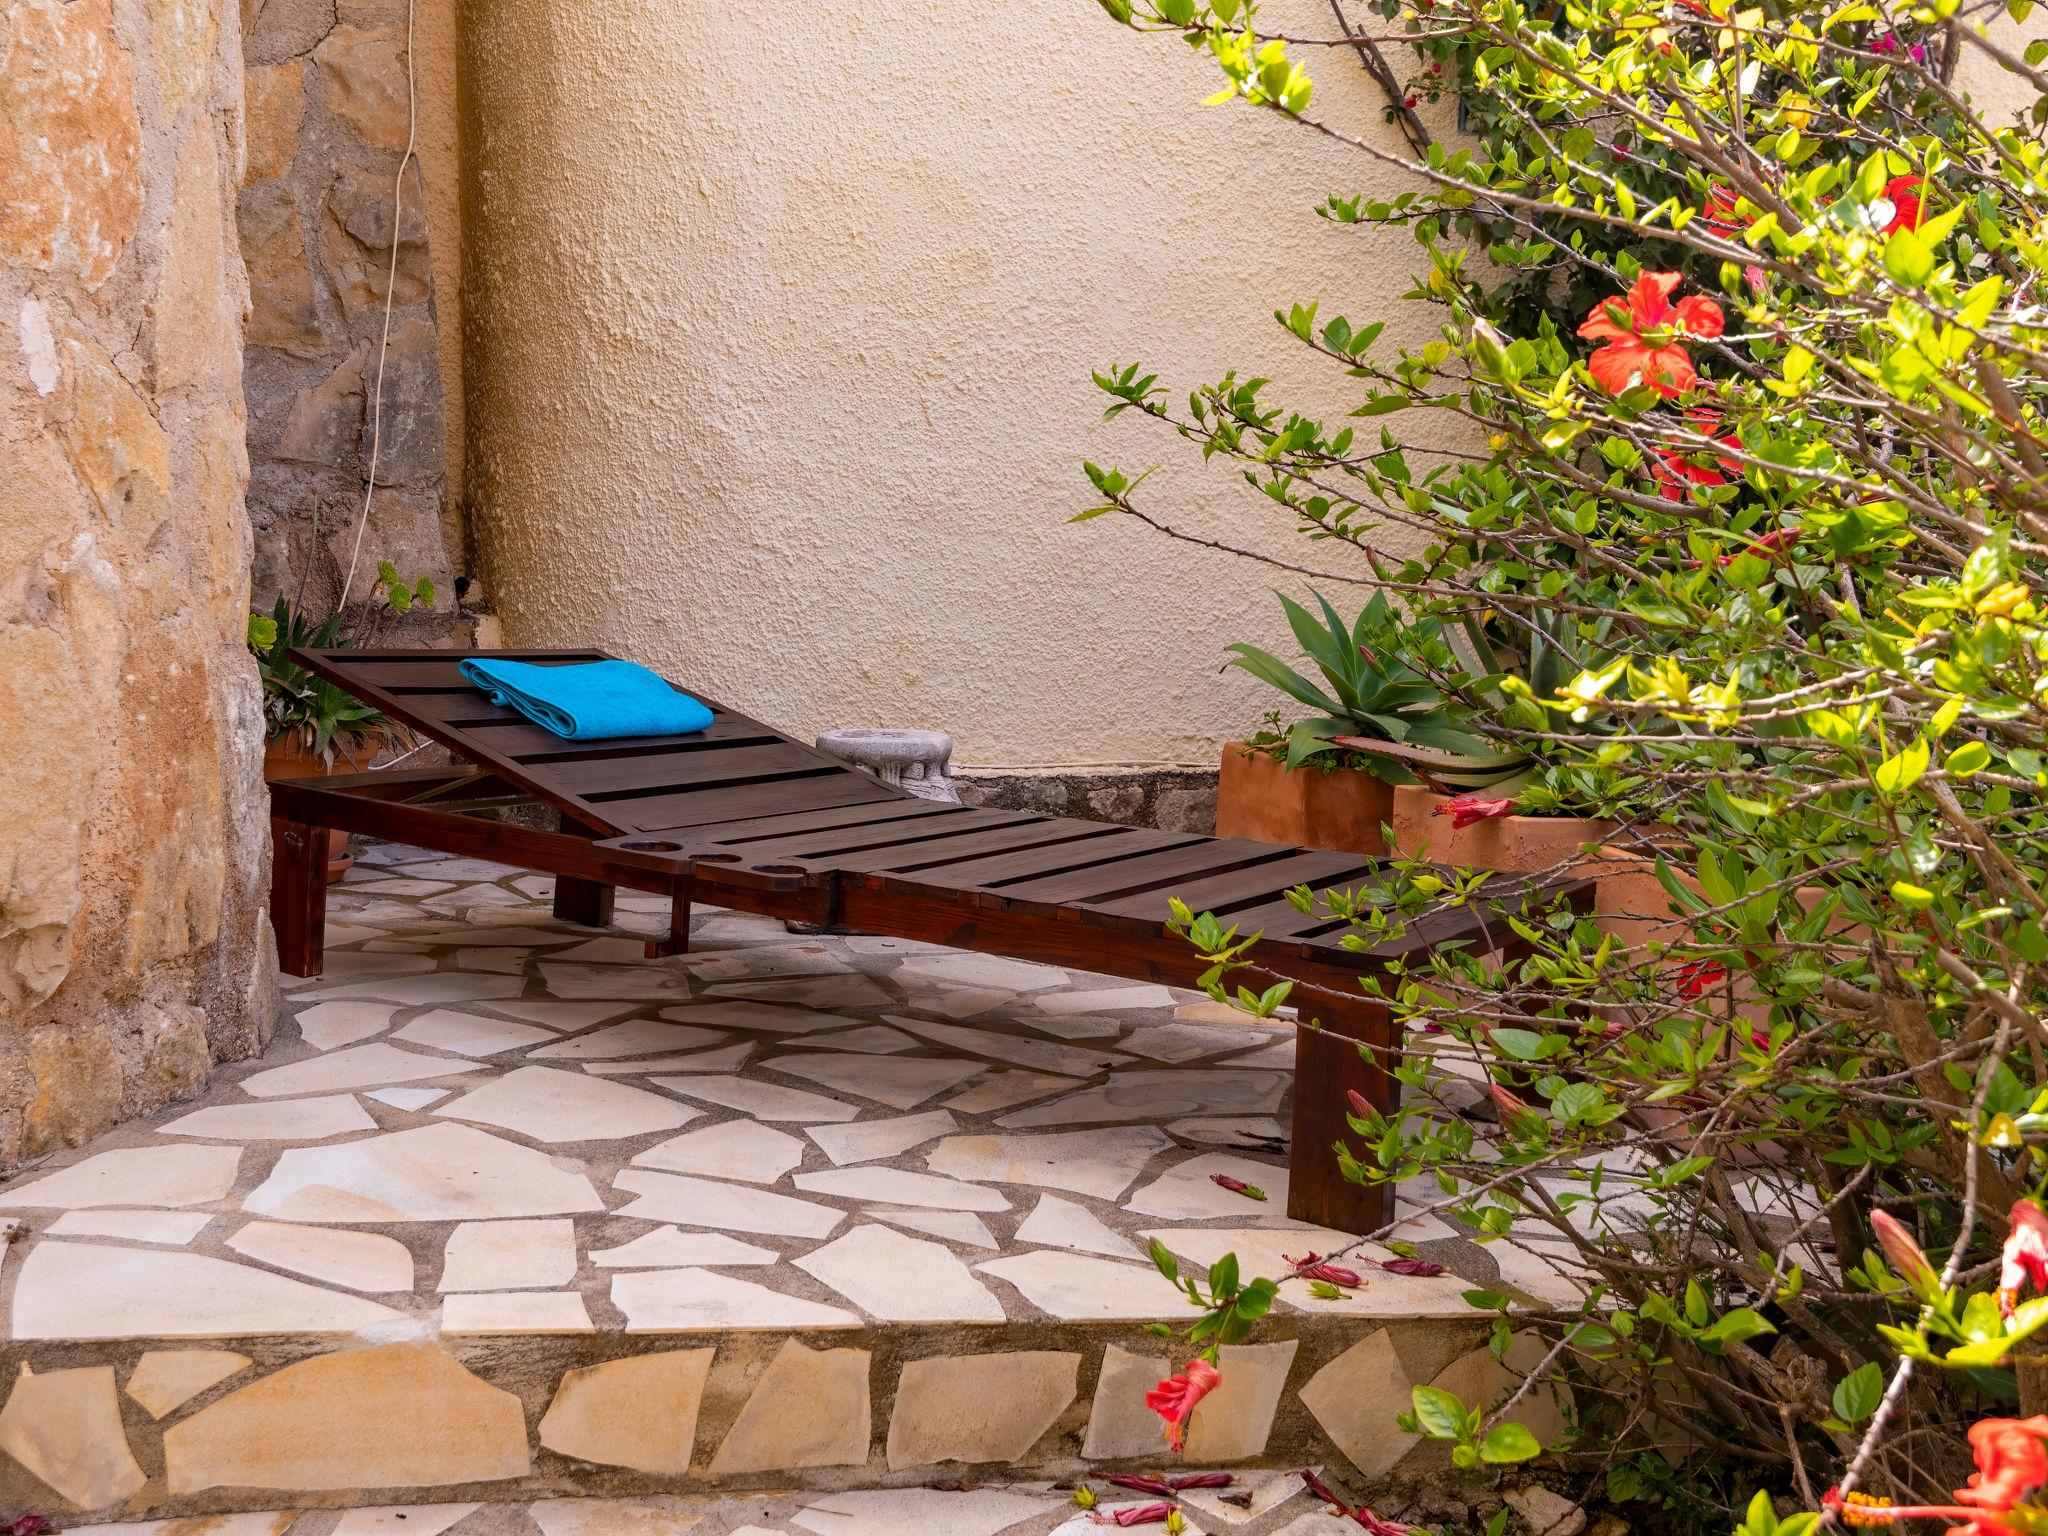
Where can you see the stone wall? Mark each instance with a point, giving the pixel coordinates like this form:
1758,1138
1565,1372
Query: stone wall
329,120
133,853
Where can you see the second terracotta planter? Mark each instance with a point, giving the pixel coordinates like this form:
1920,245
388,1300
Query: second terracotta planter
1261,798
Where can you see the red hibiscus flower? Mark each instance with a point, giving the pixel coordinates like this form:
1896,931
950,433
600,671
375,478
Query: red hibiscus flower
1464,810
2025,1260
1696,978
1175,1398
1903,193
1645,336
2012,1466
1677,470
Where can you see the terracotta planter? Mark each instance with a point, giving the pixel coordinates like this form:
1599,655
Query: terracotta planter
1260,798
293,760
1507,843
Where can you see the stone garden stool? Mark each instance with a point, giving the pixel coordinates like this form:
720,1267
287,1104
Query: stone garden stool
912,760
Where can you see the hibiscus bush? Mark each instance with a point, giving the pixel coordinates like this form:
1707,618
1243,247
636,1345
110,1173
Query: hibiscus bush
1737,313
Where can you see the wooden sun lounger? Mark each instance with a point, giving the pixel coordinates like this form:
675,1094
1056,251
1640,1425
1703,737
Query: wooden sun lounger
740,816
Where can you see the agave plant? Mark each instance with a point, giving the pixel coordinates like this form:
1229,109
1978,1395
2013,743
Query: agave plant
297,705
1374,697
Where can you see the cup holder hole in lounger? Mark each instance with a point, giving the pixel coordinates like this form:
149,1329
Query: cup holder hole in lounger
778,869
652,847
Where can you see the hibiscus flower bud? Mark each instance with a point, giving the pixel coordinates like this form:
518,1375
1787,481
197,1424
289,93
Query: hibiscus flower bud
1507,1103
1237,1186
1360,1106
1903,1253
1425,1268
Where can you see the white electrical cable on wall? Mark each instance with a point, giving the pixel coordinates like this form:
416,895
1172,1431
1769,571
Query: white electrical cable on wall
412,121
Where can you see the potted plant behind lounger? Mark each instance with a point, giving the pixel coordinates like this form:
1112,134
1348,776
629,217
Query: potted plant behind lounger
312,728
1314,782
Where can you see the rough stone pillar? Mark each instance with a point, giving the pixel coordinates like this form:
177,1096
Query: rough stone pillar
133,951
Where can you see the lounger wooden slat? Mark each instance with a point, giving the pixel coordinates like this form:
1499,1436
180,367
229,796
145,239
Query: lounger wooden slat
873,813
1107,845
740,815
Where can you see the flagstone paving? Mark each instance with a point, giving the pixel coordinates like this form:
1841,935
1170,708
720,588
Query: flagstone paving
495,1170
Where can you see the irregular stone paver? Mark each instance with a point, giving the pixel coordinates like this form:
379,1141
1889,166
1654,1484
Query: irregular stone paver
76,1291
325,1026
723,1207
764,1101
1004,1087
175,1228
509,1255
1235,1421
555,1107
390,1416
289,1120
469,1034
898,1511
516,1312
430,1173
638,1412
375,1065
775,1018
560,1013
1160,1095
408,1098
402,1519
635,1037
901,1186
902,1082
131,1176
1119,1423
901,1279
362,1261
1018,1050
723,1059
978,1408
1076,1285
1189,1192
65,1427
1355,1399
871,1139
675,1300
954,1226
1100,1163
736,1149
164,1379
809,1409
1057,1223
668,1248
607,1517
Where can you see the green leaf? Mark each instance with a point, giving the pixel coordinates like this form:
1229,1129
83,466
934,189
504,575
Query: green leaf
1895,775
1858,1394
1441,1414
1508,1443
1907,259
1167,1264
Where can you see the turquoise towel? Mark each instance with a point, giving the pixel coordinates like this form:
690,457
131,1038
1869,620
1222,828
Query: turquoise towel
589,701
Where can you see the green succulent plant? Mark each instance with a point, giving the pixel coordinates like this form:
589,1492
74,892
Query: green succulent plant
298,705
1371,691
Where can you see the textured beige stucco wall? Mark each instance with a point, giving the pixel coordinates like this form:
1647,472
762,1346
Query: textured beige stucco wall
778,329
133,847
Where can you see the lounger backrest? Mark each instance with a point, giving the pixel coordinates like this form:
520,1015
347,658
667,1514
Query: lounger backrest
737,768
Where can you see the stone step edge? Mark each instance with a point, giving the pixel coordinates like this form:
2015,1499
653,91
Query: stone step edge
175,1428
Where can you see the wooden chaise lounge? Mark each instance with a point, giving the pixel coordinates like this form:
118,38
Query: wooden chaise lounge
740,816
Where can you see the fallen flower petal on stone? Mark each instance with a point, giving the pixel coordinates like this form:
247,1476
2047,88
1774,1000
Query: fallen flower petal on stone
1237,1186
1407,1266
1136,1514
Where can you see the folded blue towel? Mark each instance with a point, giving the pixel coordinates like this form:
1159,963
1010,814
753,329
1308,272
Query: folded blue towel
589,701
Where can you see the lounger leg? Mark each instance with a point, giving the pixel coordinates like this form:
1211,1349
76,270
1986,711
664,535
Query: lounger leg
678,940
1327,1065
298,895
583,901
